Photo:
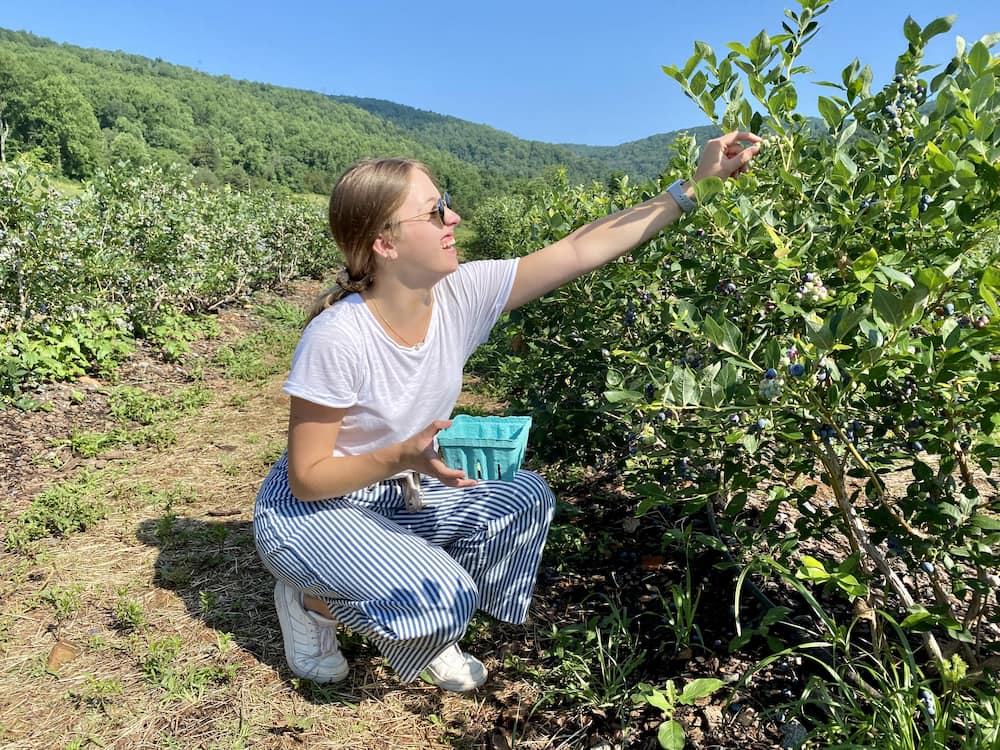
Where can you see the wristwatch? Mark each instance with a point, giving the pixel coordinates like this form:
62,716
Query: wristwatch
679,194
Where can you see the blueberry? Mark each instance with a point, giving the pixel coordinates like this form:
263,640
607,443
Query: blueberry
796,370
918,446
771,373
730,287
927,566
734,419
949,308
898,78
762,424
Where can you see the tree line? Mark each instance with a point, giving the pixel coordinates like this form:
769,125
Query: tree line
79,110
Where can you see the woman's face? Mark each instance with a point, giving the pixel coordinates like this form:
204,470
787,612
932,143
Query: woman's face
421,235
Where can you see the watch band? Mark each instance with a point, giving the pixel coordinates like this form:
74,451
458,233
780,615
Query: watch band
685,201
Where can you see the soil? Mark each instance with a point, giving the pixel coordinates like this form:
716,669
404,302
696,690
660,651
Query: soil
201,583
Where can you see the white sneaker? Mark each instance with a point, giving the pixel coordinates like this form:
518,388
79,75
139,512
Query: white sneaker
311,646
453,669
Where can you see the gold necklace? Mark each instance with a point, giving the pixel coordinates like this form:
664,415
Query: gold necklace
378,311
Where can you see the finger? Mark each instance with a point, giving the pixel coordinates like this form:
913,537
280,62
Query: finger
436,426
740,135
741,159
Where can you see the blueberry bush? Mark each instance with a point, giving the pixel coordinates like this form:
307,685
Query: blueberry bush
811,361
134,255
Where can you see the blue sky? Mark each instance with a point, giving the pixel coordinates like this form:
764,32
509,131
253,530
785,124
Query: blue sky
549,70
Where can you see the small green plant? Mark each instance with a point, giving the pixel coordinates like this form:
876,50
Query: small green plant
128,613
64,601
680,609
136,405
207,601
58,511
97,693
594,661
162,668
670,734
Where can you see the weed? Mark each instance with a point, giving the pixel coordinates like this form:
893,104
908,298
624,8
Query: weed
128,613
97,693
284,314
161,669
137,405
91,444
259,356
272,452
207,601
671,733
595,661
64,601
58,511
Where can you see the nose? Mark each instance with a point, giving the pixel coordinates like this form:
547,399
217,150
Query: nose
451,217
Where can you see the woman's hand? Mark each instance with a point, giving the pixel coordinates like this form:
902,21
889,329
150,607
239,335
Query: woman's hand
727,156
419,455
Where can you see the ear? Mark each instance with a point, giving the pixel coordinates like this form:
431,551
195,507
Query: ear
384,248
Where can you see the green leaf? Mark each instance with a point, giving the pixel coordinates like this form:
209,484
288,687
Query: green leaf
707,188
780,248
864,265
683,388
989,287
919,618
932,278
981,91
985,522
888,306
699,688
911,30
616,397
671,735
936,27
979,58
830,111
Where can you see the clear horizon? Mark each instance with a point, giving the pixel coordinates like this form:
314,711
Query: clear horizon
555,72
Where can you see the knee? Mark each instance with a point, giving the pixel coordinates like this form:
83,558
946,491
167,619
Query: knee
446,607
537,491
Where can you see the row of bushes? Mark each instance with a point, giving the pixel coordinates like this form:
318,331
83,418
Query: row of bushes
132,255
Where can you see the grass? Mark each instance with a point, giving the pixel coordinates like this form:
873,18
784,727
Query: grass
68,507
165,599
150,574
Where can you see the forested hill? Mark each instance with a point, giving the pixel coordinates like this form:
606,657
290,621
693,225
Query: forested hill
642,159
78,109
481,144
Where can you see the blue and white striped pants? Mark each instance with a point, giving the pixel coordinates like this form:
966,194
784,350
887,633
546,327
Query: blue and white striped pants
409,581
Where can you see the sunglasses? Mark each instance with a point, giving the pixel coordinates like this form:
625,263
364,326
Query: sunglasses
442,203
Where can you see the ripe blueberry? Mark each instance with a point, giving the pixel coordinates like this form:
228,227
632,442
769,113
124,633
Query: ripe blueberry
771,373
796,370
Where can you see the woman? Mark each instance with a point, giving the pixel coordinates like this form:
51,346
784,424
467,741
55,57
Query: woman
360,521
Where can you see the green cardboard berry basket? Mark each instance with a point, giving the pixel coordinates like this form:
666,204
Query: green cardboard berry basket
485,447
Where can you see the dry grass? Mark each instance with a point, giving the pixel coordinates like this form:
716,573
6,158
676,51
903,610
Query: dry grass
156,628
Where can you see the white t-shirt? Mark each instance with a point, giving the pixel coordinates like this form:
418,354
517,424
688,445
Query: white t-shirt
346,360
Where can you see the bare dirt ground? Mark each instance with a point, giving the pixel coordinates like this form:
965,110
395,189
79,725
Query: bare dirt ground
155,627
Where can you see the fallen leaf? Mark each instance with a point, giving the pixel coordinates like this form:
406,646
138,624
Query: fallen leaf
652,562
61,653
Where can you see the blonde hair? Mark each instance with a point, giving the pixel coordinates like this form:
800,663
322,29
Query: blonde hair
361,207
